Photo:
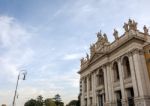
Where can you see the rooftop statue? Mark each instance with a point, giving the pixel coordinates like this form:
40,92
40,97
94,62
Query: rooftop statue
99,36
132,25
145,30
82,60
105,38
92,49
87,57
116,34
125,26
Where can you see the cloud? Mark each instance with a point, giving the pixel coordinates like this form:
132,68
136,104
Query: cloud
15,53
11,34
73,56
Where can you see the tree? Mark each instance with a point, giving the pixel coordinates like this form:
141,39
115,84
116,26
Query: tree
39,101
33,102
57,100
30,102
49,102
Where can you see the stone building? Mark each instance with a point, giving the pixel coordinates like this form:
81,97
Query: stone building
117,73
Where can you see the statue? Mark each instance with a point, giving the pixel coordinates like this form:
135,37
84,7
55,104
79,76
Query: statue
132,25
92,49
116,34
105,38
125,26
99,36
87,57
145,30
82,60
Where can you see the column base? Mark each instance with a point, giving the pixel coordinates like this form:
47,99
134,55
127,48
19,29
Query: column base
142,101
110,104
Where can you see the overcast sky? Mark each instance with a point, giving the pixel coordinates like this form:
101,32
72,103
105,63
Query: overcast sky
48,38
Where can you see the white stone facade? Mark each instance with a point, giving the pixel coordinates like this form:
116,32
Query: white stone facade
115,74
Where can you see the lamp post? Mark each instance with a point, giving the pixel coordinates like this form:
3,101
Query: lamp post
24,73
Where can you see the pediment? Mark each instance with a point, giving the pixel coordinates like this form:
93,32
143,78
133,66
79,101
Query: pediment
95,56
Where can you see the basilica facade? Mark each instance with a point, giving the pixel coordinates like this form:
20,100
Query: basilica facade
117,73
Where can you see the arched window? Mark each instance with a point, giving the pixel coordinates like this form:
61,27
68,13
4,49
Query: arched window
126,67
116,71
100,77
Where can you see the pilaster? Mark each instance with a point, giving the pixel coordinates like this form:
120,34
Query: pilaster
121,74
139,73
82,96
88,96
94,89
133,75
106,83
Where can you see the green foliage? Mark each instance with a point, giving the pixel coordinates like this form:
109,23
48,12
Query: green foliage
31,102
39,101
56,101
49,102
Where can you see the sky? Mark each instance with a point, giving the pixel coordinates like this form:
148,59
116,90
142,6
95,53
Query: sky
48,37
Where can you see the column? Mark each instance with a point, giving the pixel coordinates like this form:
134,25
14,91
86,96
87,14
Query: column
88,100
82,96
133,76
94,89
141,77
145,73
110,84
121,79
105,83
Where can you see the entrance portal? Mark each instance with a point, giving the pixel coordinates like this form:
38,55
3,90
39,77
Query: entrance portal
100,100
119,98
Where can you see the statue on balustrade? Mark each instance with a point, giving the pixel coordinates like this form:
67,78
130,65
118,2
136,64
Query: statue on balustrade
87,57
132,25
105,40
116,34
82,60
126,27
99,36
92,49
145,30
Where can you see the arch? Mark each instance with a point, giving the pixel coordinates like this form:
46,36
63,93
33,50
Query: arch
116,71
126,67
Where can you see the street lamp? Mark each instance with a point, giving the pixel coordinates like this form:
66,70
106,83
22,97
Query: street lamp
24,73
